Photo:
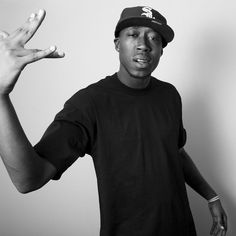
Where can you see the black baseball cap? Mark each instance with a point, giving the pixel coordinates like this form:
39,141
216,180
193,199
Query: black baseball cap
145,16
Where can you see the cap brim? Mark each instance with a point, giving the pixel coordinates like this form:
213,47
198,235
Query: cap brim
163,29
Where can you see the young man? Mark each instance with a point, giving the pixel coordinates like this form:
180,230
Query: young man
129,122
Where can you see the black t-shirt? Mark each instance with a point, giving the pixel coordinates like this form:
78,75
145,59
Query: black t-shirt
133,137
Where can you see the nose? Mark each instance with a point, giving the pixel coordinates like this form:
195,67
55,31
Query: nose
143,44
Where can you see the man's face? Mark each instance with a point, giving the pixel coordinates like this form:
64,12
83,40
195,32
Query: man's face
140,49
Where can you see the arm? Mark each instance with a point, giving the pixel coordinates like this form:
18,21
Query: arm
27,170
194,178
196,181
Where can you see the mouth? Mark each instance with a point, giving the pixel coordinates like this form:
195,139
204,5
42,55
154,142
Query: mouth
142,61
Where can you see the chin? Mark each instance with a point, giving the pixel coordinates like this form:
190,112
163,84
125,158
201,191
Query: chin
140,74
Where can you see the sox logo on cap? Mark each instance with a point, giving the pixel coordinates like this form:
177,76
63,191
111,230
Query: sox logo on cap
147,12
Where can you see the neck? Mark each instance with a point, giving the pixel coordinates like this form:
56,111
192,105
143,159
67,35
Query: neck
132,81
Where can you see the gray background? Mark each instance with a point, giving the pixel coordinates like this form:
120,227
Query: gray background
200,62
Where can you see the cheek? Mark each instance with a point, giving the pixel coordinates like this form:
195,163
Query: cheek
157,55
125,53
155,63
157,59
124,60
127,47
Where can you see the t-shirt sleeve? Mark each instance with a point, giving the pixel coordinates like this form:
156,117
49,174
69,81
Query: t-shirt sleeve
182,135
70,135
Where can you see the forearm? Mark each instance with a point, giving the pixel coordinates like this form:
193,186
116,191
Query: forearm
194,178
22,162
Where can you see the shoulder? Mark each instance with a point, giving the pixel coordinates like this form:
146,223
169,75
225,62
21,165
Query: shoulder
84,97
166,87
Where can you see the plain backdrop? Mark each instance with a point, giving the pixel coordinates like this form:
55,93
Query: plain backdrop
200,62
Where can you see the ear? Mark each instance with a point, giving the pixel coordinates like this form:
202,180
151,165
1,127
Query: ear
117,44
161,51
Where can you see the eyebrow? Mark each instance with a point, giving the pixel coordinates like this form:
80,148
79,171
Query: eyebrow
136,27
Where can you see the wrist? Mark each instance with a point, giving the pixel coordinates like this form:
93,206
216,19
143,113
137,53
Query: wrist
213,199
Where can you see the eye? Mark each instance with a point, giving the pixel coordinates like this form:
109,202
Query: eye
156,39
133,35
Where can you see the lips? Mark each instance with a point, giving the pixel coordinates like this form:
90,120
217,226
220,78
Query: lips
142,61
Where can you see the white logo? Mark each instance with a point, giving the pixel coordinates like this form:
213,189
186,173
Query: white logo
147,12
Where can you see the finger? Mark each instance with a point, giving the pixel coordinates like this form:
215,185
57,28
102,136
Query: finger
222,222
225,222
25,52
219,226
218,231
37,55
56,54
24,33
224,233
213,228
3,34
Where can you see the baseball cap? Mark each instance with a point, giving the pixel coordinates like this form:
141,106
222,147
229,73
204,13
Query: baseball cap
145,16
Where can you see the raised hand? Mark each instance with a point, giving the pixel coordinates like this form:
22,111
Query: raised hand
13,54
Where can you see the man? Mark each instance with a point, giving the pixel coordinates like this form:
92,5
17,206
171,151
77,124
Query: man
129,122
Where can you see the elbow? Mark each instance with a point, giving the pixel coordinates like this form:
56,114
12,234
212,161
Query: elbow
26,188
30,182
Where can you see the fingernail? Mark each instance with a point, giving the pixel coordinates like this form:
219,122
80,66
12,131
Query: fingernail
41,11
62,54
32,16
52,48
